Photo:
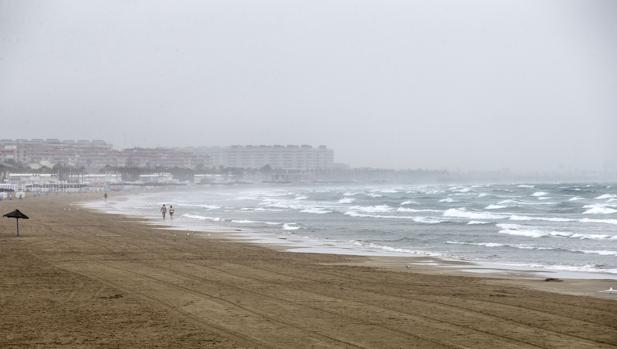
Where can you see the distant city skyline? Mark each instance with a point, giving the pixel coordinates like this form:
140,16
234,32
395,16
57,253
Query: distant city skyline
95,155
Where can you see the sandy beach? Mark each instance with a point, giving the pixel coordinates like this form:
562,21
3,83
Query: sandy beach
81,279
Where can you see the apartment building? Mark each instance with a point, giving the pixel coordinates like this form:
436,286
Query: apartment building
81,153
289,157
164,157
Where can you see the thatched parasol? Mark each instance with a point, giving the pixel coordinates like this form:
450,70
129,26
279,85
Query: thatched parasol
17,214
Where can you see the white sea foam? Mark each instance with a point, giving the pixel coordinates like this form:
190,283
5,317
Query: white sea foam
519,230
388,191
346,200
266,209
481,195
374,195
526,186
408,202
460,189
273,223
606,196
405,209
575,198
509,202
243,221
447,200
290,226
515,203
495,207
599,252
477,222
463,213
605,221
539,194
417,219
485,244
539,218
203,218
426,220
315,210
530,247
588,268
599,209
372,209
535,232
372,245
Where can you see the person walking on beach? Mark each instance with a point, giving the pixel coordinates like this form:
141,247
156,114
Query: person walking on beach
172,210
163,210
105,196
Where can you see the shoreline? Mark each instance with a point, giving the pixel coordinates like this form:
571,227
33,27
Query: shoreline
79,278
452,265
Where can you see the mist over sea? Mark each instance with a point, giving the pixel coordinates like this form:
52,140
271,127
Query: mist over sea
545,227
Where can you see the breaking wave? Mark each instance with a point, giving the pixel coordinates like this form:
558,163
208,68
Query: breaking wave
203,218
417,219
477,222
599,209
405,209
539,194
530,247
315,210
463,213
534,232
346,200
495,207
372,209
291,226
371,245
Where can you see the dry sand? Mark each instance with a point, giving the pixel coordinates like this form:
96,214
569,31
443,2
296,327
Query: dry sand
78,278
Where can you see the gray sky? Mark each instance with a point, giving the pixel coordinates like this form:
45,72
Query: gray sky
483,84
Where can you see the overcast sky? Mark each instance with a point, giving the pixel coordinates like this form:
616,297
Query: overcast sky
484,84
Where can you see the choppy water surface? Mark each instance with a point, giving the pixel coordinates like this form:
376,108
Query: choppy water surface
569,227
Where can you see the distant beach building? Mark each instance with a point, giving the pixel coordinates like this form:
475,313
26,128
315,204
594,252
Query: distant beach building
81,153
164,157
157,178
289,157
101,179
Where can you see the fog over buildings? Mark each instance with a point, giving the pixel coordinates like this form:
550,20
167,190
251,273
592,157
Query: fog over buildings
526,85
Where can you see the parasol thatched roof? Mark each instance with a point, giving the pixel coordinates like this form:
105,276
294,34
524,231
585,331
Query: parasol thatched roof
16,214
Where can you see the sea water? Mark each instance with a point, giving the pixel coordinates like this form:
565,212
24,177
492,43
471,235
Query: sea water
553,227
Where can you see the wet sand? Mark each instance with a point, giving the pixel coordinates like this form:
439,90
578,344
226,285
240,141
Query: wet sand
82,279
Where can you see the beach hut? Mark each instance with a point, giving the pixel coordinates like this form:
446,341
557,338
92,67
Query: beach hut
17,214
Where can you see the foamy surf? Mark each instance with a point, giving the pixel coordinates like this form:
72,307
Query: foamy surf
414,218
463,213
599,209
291,226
